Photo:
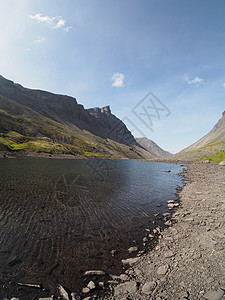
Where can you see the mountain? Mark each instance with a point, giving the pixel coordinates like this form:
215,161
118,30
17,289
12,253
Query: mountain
209,147
42,121
152,147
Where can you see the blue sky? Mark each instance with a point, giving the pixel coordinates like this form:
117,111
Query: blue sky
105,52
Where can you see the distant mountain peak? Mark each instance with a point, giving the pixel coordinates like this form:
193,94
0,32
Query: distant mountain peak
106,109
152,147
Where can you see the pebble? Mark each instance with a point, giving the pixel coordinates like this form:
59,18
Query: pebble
162,270
124,288
170,201
148,287
132,249
214,295
168,223
91,285
124,277
94,272
85,290
166,214
63,292
130,261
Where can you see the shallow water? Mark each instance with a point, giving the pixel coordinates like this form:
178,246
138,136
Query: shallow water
60,218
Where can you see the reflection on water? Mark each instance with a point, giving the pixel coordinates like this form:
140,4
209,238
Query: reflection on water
59,218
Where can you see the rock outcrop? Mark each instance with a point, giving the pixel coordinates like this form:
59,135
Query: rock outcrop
65,109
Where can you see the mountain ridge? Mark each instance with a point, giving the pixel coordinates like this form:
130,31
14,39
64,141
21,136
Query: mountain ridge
152,147
210,147
62,120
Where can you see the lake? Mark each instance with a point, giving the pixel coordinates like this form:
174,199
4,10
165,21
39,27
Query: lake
60,218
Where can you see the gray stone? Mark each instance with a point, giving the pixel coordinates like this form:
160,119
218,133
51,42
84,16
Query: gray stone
222,163
91,285
162,270
14,298
124,277
130,261
63,292
167,214
170,201
94,272
168,223
148,287
124,288
85,290
214,295
132,249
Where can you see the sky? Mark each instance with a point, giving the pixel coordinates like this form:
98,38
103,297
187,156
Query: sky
159,64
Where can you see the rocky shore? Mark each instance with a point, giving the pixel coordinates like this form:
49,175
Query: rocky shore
189,259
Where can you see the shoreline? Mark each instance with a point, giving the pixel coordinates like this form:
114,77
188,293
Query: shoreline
188,260
29,153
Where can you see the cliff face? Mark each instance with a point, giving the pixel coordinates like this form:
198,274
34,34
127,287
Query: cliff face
66,110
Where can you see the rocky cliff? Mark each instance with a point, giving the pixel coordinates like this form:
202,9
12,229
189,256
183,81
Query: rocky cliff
65,109
37,114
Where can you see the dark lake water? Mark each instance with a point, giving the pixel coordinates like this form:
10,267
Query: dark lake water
60,218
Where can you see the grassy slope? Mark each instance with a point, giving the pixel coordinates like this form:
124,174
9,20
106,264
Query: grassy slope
22,128
214,151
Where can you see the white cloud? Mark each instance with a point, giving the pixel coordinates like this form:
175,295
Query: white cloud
42,19
118,79
60,23
197,80
224,84
67,29
54,22
28,49
40,40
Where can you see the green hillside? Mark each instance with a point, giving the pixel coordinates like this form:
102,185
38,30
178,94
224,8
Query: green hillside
22,128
